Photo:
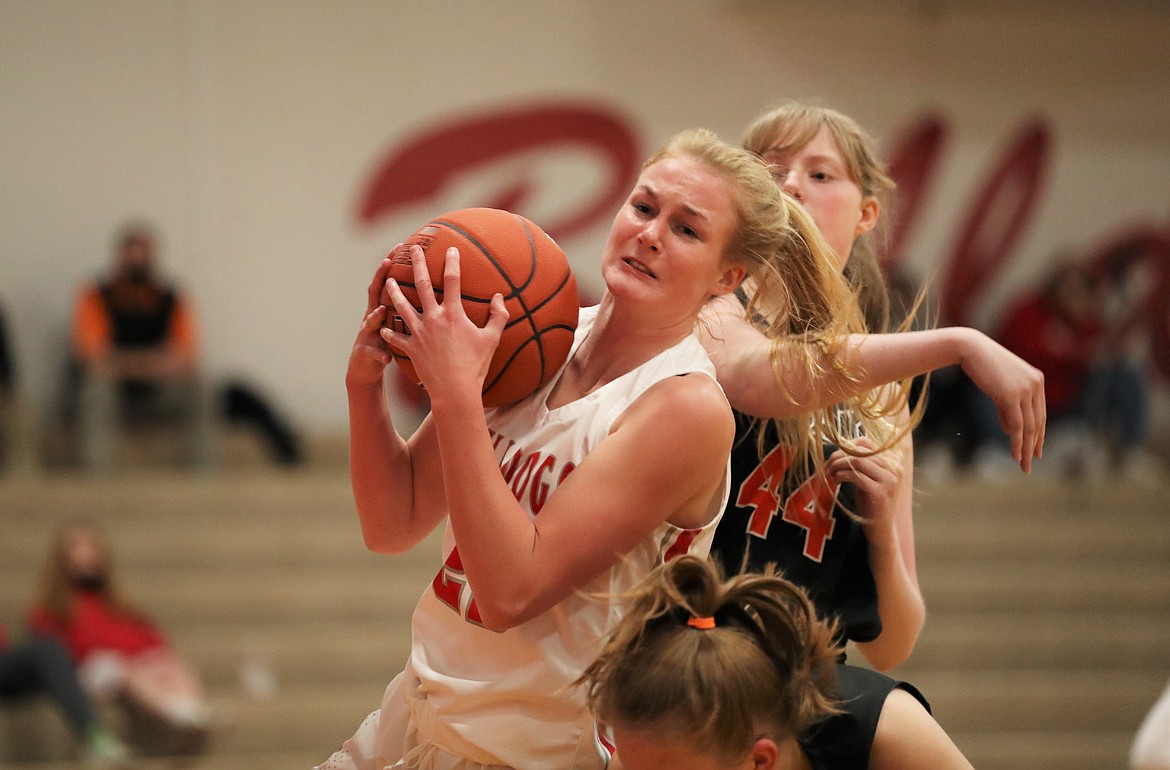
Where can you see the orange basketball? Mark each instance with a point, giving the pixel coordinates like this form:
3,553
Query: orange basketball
500,253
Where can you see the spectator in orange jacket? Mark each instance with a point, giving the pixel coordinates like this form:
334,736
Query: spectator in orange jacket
136,345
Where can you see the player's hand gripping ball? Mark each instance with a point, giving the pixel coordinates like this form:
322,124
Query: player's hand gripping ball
499,253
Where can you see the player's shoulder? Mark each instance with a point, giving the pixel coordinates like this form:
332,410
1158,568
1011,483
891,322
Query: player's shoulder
692,396
687,413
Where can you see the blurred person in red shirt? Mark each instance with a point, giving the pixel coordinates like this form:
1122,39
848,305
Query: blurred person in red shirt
1059,330
120,653
1096,396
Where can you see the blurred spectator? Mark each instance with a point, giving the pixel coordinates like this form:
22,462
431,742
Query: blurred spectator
1097,400
41,665
15,446
8,415
242,404
135,344
136,357
120,653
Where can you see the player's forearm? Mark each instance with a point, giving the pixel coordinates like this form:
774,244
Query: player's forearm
877,359
380,471
751,385
863,362
789,376
742,356
495,536
900,605
892,561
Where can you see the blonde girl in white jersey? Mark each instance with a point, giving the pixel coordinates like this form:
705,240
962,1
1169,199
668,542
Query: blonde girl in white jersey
632,439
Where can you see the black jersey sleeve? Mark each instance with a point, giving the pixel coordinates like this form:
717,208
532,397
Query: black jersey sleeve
843,741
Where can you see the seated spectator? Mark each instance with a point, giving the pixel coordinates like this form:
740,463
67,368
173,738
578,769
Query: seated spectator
1097,401
135,344
40,665
7,394
120,653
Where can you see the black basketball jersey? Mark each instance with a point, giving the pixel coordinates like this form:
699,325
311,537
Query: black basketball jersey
843,741
801,525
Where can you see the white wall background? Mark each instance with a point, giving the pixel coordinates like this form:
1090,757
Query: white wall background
246,129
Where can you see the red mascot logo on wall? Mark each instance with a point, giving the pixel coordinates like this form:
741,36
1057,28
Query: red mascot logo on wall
422,166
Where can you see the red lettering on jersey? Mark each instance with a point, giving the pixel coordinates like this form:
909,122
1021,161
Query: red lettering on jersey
473,615
525,475
681,545
762,488
539,487
569,468
521,478
448,584
509,468
810,507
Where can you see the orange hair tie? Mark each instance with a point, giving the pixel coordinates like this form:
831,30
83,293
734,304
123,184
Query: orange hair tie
704,623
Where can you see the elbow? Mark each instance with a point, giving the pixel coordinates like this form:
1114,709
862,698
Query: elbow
893,647
377,543
380,539
498,622
884,658
761,397
502,613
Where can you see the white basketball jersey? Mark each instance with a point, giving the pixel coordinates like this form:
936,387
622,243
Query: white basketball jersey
509,694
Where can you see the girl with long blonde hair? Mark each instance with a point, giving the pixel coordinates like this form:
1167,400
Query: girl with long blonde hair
839,524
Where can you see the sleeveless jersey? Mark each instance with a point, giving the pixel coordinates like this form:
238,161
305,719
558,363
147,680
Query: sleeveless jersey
843,741
510,694
801,525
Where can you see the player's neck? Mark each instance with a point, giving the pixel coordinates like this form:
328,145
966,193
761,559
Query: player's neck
624,337
613,347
